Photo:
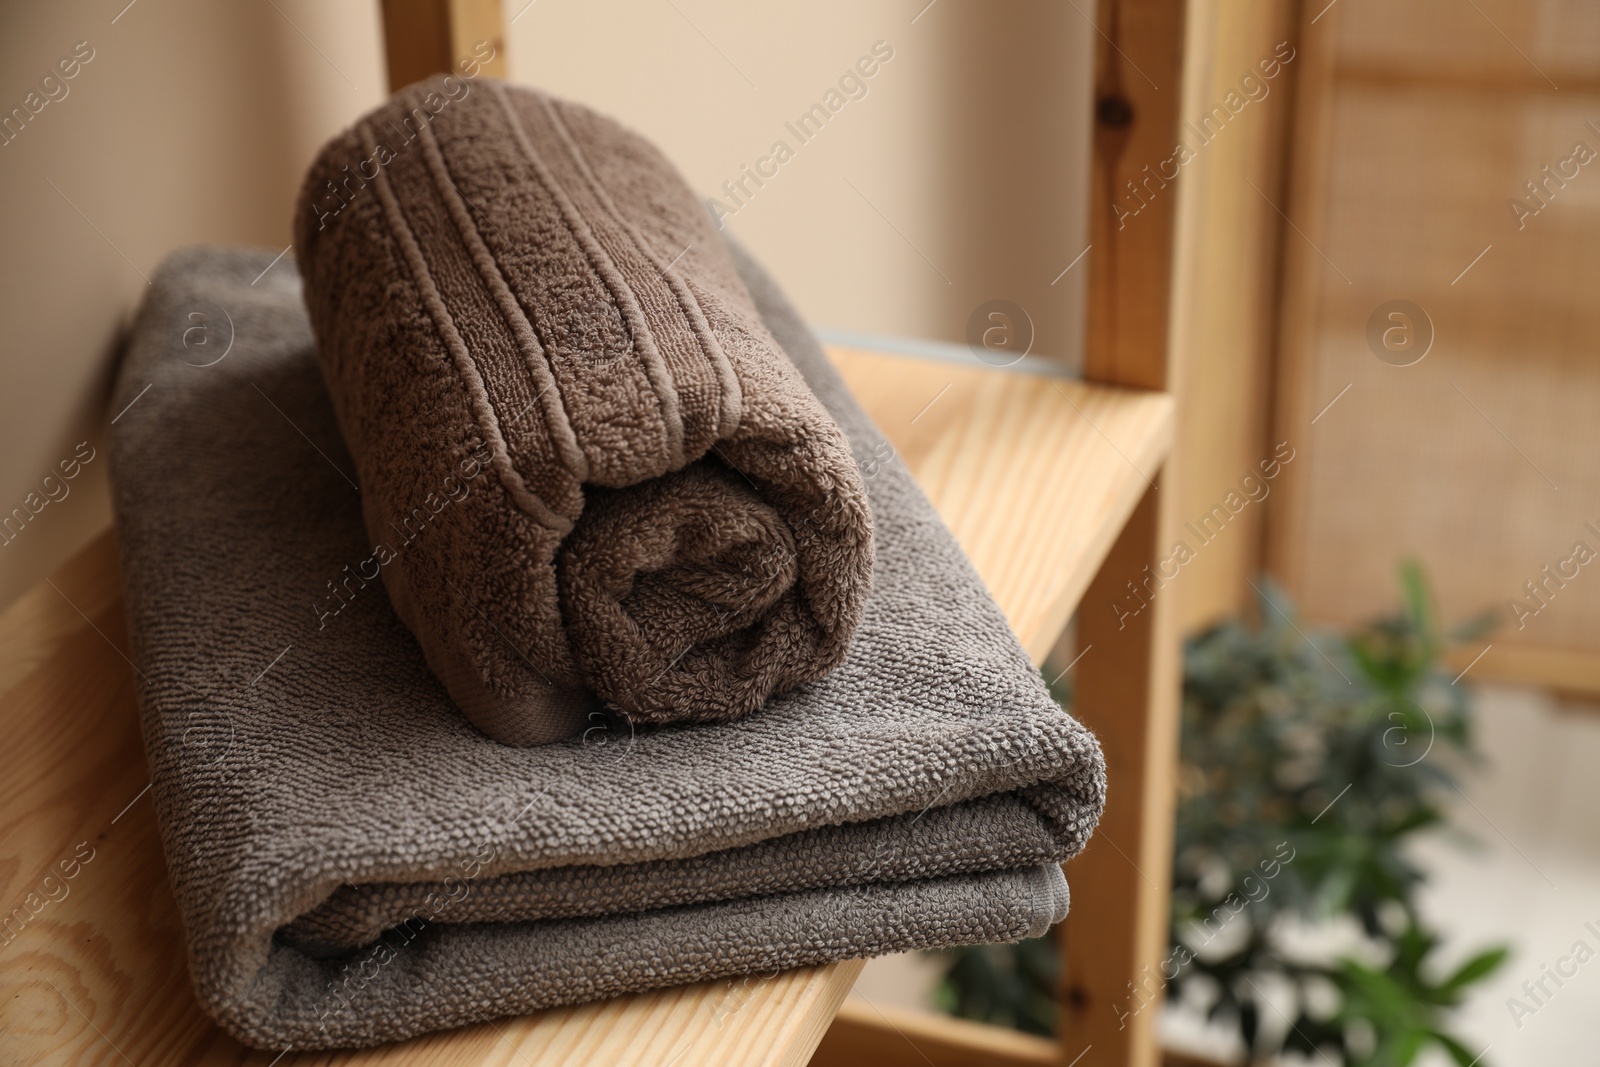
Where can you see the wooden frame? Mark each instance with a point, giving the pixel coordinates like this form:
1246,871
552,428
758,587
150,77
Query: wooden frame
1227,253
1292,407
1127,683
423,37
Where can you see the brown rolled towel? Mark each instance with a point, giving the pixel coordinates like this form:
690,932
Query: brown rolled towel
588,471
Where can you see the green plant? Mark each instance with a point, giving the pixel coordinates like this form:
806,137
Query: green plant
1307,765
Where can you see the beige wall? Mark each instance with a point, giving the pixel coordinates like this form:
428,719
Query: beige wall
971,142
193,122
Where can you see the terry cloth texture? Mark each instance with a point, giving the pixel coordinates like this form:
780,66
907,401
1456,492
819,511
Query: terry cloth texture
355,863
671,521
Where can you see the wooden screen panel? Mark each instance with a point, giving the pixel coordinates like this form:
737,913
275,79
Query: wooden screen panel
1476,459
1486,42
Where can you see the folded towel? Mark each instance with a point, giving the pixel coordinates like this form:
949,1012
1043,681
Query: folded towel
355,863
670,521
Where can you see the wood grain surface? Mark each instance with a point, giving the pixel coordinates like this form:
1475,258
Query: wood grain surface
887,1036
1035,475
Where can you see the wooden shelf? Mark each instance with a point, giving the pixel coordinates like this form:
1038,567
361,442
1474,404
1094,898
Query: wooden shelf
888,1036
1036,476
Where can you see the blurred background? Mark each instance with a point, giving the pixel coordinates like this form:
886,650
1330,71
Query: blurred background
1406,206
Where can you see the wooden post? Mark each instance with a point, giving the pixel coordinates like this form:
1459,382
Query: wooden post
1127,680
426,37
1127,692
1132,206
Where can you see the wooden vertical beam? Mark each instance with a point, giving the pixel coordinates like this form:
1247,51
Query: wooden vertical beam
1127,692
1138,88
1127,681
426,37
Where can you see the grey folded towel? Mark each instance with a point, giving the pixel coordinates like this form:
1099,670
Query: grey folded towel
669,519
355,863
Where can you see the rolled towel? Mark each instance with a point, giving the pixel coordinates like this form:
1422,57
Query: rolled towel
671,523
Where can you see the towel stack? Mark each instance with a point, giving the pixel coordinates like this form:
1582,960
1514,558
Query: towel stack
518,626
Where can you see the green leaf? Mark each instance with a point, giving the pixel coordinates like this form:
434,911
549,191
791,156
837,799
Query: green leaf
1463,1056
1480,966
1418,601
1408,1045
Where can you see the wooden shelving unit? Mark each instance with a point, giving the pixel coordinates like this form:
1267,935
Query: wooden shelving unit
1036,476
1051,485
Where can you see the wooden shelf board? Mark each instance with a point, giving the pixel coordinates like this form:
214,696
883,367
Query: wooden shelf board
896,1037
1034,474
892,1037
